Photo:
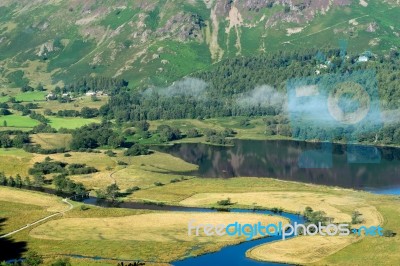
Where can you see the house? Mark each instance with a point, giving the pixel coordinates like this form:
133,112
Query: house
362,58
90,93
51,96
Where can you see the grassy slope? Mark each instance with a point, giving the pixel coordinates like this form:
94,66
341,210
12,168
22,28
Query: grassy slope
111,49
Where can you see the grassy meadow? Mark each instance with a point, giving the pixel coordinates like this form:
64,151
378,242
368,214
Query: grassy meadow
18,121
15,161
124,233
51,140
70,123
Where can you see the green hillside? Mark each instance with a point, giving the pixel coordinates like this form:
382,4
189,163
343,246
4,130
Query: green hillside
159,41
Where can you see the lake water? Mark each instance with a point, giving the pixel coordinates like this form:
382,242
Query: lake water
377,169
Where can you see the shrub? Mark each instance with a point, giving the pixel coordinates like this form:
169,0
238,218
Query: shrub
110,153
192,133
388,233
276,210
225,202
136,150
356,218
133,189
84,207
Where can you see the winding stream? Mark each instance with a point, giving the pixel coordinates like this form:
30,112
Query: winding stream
230,255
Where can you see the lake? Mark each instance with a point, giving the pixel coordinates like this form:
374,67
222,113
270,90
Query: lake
376,169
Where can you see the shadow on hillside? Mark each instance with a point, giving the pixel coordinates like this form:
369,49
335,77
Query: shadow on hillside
10,249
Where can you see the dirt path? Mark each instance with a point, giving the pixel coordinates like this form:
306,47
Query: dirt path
70,207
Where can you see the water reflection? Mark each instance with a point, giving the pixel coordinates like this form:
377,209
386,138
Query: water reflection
280,159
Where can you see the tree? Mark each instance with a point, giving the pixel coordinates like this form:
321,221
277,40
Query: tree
40,87
88,112
137,149
4,123
4,111
115,141
142,125
20,139
168,133
32,259
18,181
38,180
11,182
3,179
12,100
27,181
48,112
94,98
112,191
62,262
5,141
192,133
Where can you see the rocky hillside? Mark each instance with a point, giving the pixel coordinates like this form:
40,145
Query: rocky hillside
158,41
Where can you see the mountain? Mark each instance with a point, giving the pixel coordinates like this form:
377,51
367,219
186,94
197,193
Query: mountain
154,42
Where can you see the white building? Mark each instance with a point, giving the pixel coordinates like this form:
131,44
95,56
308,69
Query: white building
362,58
90,93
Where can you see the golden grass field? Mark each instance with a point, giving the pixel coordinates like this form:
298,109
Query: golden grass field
180,191
14,161
21,207
157,227
48,202
98,160
18,215
338,208
351,250
300,250
51,140
141,171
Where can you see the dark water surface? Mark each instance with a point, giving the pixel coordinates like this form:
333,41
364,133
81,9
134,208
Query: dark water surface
379,172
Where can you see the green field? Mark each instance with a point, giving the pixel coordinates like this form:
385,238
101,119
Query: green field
31,96
18,121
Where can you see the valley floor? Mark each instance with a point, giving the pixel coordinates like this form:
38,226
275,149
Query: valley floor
161,237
